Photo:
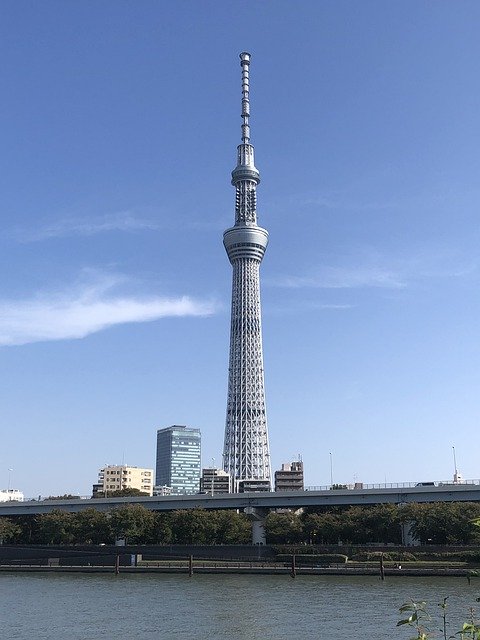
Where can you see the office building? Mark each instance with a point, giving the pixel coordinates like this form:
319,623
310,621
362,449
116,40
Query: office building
246,456
178,459
290,477
117,477
215,481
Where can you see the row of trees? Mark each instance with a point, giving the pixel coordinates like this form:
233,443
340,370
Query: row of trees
437,523
135,523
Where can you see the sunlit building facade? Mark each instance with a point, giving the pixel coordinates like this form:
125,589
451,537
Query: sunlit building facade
118,477
179,459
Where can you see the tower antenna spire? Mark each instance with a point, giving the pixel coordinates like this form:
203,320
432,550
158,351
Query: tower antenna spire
245,63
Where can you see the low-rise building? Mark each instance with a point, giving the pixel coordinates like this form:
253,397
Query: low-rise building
215,481
7,495
117,477
162,490
290,477
253,486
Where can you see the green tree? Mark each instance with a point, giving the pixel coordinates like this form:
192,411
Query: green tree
8,530
28,528
162,527
194,526
133,522
92,527
323,528
351,526
443,522
56,527
130,492
284,528
231,528
376,523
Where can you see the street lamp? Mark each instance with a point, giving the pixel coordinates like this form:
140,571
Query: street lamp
331,470
9,477
213,474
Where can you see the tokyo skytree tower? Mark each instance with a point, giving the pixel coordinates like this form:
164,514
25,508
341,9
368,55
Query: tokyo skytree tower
246,454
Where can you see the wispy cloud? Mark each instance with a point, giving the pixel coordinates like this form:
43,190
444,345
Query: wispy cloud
73,226
304,306
344,278
87,308
340,201
121,222
367,268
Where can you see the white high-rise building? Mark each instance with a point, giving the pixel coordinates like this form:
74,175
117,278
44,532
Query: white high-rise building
246,456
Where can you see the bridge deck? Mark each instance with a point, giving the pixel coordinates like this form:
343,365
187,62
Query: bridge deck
469,492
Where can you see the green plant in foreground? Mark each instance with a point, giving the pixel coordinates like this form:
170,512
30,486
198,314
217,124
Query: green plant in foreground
470,629
419,617
443,606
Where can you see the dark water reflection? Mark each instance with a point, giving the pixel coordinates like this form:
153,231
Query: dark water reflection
207,607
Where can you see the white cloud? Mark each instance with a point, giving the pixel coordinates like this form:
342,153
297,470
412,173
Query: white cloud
122,221
304,306
340,201
368,268
86,309
345,278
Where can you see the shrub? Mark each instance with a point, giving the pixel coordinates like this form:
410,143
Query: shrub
314,558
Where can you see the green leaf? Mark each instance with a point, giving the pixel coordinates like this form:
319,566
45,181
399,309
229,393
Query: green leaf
400,622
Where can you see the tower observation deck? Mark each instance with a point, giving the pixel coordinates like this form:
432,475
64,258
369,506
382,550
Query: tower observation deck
246,454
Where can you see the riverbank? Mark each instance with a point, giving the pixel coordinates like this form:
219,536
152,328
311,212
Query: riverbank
241,569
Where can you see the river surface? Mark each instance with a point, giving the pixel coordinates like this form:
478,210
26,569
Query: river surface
219,607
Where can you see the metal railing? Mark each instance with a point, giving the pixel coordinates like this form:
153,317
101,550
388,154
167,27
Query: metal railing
357,486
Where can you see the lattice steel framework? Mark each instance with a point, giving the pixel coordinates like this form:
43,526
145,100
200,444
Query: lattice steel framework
246,452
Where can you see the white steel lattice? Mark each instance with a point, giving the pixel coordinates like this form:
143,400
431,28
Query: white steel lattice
246,452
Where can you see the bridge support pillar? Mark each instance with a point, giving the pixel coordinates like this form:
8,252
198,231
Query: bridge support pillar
407,536
258,517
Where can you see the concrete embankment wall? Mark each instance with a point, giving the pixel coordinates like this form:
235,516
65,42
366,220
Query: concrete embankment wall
83,555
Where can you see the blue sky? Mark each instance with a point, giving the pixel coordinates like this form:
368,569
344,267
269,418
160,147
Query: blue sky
119,125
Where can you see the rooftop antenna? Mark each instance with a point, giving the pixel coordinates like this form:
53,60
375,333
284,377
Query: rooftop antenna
454,463
457,477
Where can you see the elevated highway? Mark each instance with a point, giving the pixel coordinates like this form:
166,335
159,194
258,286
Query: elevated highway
468,492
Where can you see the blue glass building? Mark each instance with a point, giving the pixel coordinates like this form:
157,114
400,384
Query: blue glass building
179,459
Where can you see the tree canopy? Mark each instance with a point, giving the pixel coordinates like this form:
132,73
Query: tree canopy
439,523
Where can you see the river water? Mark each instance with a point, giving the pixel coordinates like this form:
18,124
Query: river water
218,607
